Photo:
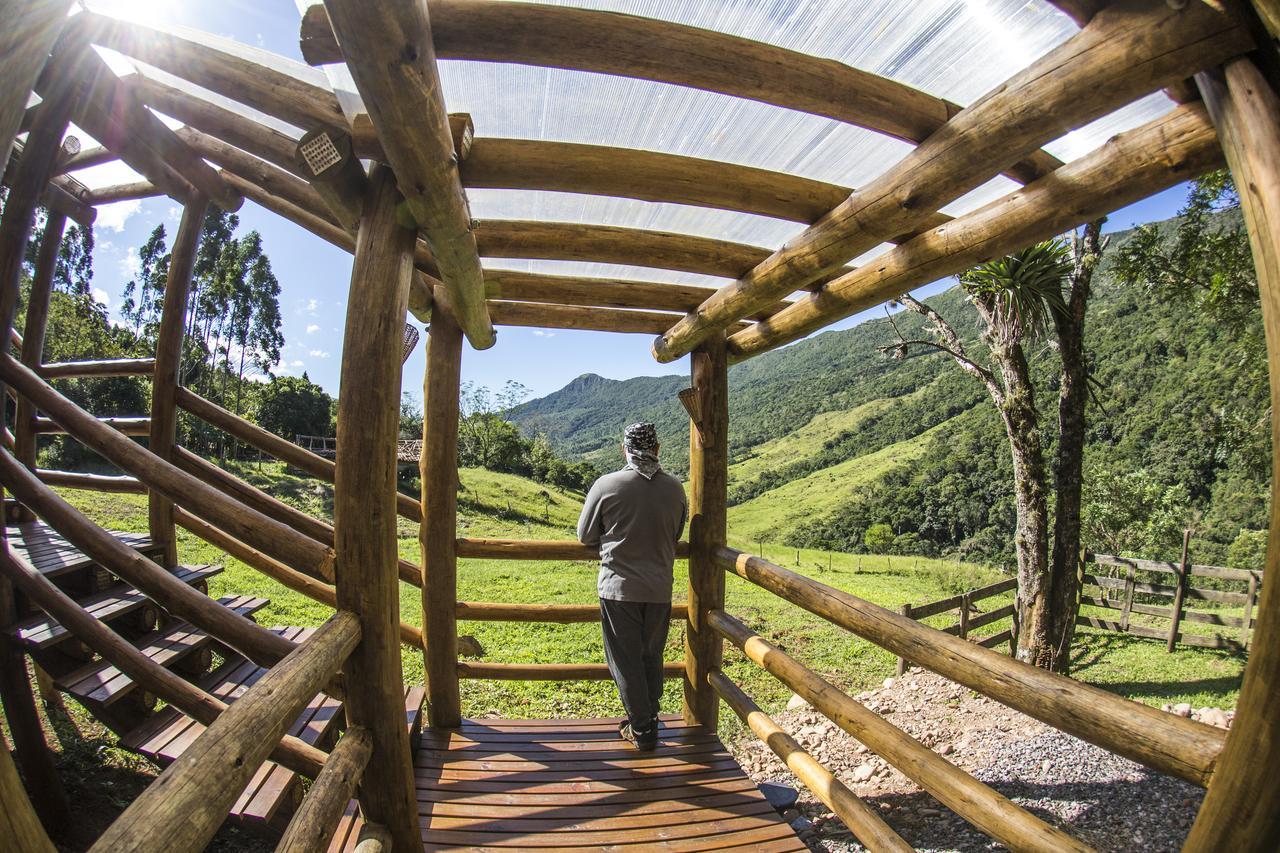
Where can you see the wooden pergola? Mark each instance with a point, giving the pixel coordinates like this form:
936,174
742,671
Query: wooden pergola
406,219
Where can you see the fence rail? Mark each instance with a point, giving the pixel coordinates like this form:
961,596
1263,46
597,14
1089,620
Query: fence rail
963,605
1180,592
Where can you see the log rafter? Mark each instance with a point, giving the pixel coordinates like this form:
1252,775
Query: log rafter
1128,49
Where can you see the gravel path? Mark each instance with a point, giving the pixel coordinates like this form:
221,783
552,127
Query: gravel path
1106,801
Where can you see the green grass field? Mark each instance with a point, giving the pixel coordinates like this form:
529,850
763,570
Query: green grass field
500,505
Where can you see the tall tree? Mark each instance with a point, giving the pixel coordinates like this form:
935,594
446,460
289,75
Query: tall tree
74,269
1019,298
143,293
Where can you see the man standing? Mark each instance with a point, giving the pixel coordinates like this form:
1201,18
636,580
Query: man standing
636,516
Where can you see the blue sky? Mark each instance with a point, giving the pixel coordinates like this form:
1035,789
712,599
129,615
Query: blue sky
314,276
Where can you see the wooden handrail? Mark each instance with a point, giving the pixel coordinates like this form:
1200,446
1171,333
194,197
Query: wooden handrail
184,807
862,820
102,367
91,482
313,588
492,611
128,426
313,824
974,801
269,442
550,671
250,639
534,549
1221,572
188,698
1171,744
160,476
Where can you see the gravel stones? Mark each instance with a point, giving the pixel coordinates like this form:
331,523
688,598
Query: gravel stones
1107,801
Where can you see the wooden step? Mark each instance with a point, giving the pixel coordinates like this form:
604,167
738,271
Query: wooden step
53,555
273,792
103,684
41,632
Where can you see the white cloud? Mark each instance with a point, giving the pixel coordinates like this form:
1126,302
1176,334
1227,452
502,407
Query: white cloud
296,363
539,333
312,305
312,329
131,264
114,216
315,353
101,296
175,212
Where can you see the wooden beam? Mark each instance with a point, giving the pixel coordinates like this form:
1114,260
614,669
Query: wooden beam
87,158
1080,11
1130,48
1174,745
550,671
563,614
183,809
1269,12
980,805
276,86
391,56
114,116
29,33
91,482
18,820
256,170
1237,812
325,160
866,825
1175,147
124,192
512,285
74,207
649,49
438,474
533,164
25,425
226,125
708,485
312,826
164,382
542,316
103,367
364,509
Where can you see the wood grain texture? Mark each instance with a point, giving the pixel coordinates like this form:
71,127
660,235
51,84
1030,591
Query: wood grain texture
18,820
364,510
708,527
1239,812
97,367
438,471
1130,48
1132,165
164,382
866,825
24,425
391,56
546,316
30,31
313,824
185,806
513,285
1171,744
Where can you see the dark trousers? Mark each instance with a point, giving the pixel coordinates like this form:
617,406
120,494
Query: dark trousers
635,634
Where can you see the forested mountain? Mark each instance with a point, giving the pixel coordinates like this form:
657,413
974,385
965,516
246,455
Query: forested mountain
831,437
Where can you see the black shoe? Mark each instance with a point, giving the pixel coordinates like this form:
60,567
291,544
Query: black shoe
645,741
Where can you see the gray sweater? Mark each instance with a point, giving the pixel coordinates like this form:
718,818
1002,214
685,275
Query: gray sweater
636,522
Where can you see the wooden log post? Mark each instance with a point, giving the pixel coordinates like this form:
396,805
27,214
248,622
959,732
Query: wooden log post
964,617
1127,605
364,509
29,33
311,828
24,427
902,662
164,410
1239,811
18,820
708,485
1246,622
437,536
1175,614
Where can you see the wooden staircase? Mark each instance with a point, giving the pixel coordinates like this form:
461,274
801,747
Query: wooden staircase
112,697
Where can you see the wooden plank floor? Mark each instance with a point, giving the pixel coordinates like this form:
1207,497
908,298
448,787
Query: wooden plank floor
575,784
51,554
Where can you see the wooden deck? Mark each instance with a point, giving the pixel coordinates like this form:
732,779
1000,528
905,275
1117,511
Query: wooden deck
574,784
51,554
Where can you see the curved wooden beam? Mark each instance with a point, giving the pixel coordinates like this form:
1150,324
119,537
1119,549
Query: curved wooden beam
596,292
649,49
1129,49
1177,146
530,164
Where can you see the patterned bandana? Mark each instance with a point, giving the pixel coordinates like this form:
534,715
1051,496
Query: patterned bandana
640,445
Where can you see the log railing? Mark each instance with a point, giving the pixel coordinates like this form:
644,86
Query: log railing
1171,744
963,604
977,803
98,368
316,819
185,806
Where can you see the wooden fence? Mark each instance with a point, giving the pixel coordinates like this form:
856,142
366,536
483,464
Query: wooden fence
1133,577
963,605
